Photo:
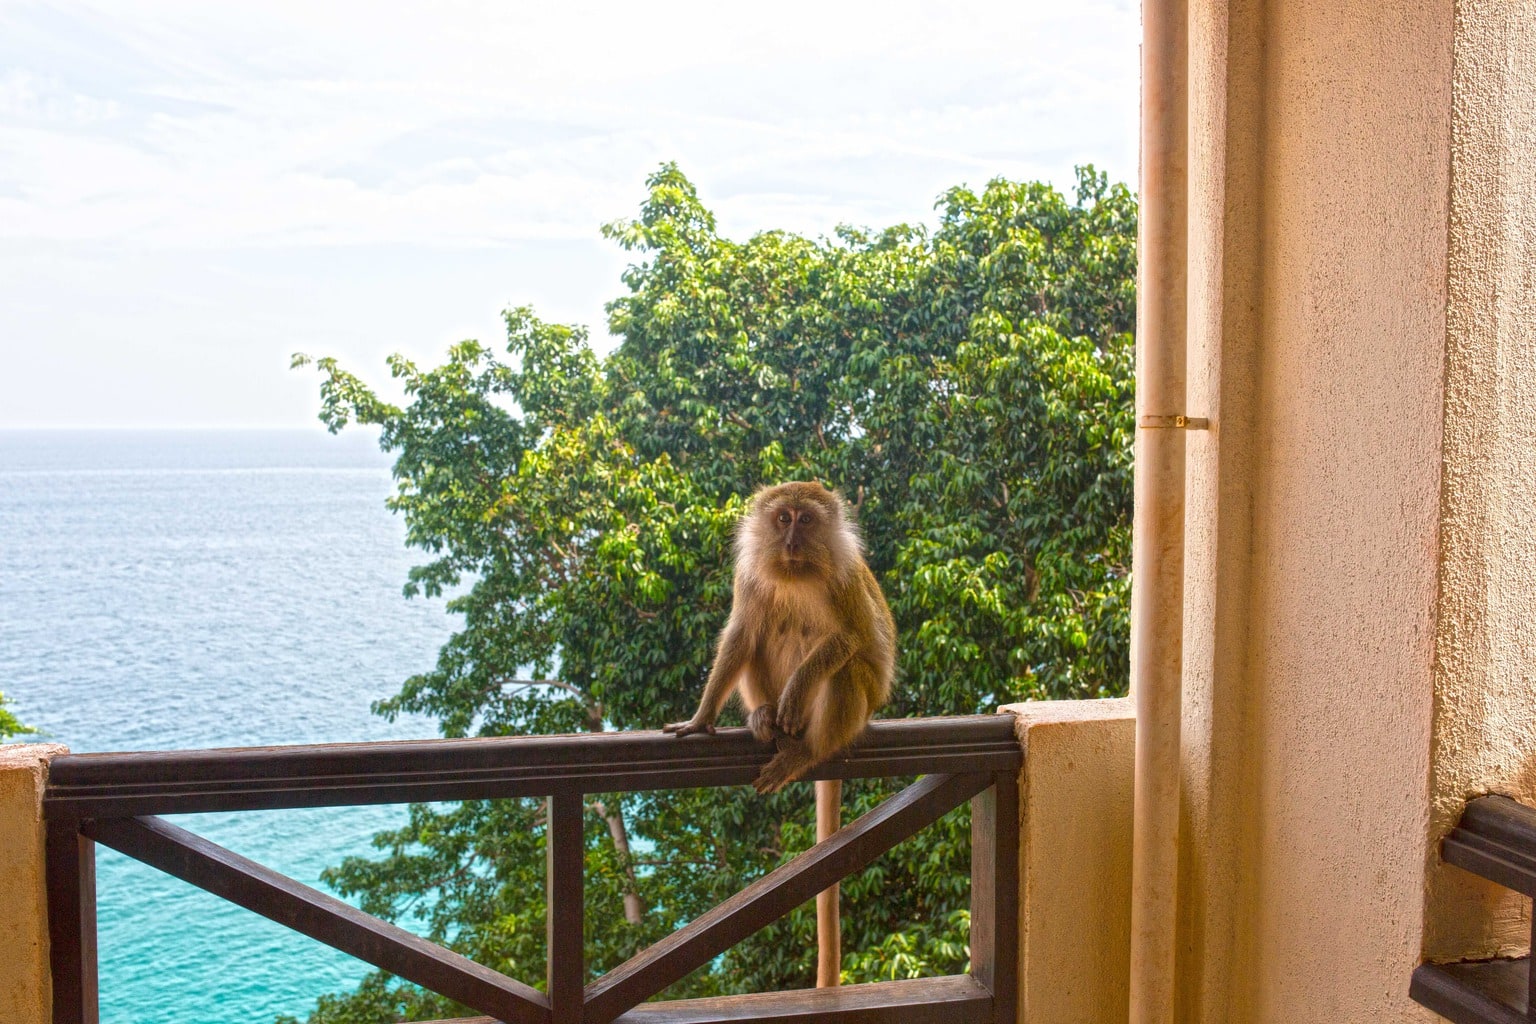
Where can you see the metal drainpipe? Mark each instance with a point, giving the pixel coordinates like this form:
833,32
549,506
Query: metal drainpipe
1157,582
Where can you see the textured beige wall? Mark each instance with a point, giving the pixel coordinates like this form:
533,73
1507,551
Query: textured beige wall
1075,859
1320,152
24,982
1485,673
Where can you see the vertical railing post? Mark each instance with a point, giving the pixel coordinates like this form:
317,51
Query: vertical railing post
71,873
995,894
829,921
565,859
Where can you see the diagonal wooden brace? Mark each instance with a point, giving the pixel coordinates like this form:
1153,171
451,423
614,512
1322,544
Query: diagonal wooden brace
260,889
850,849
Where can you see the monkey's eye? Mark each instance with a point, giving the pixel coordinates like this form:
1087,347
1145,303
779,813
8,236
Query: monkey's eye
805,518
784,517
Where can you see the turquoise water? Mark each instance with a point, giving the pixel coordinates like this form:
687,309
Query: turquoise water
177,590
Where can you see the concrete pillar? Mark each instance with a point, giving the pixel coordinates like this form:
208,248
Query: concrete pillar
25,990
1075,859
1320,150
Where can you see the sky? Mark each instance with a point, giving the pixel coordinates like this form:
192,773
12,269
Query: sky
190,192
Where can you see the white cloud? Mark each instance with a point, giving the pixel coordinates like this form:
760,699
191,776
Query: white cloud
28,98
172,126
247,125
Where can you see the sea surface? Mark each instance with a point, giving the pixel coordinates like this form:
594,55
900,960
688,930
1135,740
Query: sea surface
175,590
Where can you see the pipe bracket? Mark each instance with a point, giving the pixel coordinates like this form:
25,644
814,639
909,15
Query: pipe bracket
1174,423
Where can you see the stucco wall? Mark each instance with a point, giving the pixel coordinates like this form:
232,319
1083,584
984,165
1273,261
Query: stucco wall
24,980
1320,151
1485,636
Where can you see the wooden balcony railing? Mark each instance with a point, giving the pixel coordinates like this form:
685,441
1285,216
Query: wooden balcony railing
113,799
1495,839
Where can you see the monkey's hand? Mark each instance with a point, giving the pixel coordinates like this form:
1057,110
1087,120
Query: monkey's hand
688,728
790,715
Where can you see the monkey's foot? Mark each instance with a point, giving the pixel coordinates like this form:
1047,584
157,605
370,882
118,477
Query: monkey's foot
681,729
781,771
761,721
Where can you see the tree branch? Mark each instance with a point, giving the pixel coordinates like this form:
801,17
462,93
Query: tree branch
527,684
634,910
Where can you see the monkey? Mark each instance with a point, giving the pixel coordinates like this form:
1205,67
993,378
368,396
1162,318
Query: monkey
809,647
810,644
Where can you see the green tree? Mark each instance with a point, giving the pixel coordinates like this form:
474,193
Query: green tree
10,725
968,388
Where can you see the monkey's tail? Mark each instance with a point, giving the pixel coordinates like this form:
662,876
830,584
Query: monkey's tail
829,925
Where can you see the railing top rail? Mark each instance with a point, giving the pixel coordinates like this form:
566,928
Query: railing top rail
248,778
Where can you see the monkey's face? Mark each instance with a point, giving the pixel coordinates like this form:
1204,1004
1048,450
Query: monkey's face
797,526
802,530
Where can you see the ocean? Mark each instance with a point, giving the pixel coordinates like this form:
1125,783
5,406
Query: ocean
175,590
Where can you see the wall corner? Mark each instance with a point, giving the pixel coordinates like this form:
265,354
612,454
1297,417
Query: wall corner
25,983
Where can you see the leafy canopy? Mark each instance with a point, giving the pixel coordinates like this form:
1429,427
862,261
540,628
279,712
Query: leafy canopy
968,388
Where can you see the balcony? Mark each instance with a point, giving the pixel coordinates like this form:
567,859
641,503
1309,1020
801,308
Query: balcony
1049,787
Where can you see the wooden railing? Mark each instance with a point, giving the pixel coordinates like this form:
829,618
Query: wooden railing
113,799
1496,840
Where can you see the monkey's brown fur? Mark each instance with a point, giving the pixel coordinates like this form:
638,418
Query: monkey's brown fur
810,645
